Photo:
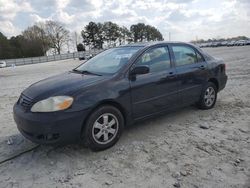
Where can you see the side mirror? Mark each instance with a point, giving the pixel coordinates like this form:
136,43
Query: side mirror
143,69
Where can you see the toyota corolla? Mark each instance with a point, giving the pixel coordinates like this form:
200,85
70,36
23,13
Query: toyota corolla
95,101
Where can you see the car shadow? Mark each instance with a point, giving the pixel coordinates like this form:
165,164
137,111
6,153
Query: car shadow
16,144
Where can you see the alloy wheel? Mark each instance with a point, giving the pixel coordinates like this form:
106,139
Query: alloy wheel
105,128
209,96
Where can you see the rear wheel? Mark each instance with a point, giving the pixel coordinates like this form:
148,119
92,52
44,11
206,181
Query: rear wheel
103,128
208,96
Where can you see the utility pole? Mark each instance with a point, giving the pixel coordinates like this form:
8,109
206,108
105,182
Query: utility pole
68,45
169,36
76,36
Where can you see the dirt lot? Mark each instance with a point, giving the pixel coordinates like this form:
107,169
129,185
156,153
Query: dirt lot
166,151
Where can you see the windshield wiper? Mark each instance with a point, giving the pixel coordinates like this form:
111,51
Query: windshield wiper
85,72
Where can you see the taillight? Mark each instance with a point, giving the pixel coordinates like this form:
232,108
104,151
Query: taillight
223,68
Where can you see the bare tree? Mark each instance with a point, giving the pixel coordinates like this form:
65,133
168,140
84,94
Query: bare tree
57,34
36,33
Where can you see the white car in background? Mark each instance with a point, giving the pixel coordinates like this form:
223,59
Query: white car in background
2,64
240,43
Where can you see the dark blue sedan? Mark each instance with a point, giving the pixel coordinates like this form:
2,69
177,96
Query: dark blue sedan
95,101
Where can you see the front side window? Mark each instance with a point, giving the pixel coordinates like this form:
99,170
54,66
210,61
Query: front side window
184,55
157,59
109,61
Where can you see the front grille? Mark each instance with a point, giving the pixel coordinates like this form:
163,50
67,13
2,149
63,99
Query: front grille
25,101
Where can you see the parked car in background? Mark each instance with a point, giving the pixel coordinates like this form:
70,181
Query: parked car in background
205,45
224,43
215,44
86,57
81,58
3,64
231,43
209,44
240,43
95,101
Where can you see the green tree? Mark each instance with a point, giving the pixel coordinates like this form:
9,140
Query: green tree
4,47
80,47
124,35
95,34
152,34
18,47
142,32
92,35
111,33
137,31
22,47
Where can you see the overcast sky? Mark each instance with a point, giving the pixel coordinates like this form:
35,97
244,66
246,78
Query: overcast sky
185,19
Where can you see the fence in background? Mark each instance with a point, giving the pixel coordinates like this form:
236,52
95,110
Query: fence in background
43,59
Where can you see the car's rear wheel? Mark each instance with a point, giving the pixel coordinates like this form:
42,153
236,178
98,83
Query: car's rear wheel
103,128
208,96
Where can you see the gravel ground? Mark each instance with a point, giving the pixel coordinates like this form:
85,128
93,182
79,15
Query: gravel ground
173,150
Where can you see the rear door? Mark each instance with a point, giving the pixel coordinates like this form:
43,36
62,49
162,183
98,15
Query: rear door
191,70
157,90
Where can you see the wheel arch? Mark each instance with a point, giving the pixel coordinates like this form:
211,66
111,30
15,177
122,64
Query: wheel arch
116,105
111,103
215,82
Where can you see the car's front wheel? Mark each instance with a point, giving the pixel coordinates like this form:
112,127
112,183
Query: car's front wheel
103,128
208,96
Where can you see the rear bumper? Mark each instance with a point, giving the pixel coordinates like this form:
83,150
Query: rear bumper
50,128
223,81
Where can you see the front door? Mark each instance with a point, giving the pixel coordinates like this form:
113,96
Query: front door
156,90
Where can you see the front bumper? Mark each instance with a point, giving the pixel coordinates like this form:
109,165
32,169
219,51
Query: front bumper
50,128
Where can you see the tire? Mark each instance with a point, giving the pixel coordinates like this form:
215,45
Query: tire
208,96
103,128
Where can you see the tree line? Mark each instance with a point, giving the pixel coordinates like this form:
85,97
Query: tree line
111,34
36,40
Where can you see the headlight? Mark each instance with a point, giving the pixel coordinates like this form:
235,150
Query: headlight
52,104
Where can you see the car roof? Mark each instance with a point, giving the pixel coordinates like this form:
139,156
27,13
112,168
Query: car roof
147,44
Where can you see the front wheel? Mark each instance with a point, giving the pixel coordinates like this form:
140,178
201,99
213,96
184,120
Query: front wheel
103,128
208,96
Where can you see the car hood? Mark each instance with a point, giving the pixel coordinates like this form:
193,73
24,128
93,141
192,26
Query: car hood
63,84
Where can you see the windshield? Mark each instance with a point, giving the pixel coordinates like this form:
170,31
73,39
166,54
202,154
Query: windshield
109,61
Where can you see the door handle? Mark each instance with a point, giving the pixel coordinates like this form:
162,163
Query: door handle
171,75
202,67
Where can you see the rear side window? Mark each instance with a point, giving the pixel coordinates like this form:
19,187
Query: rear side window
157,59
207,56
199,58
184,55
